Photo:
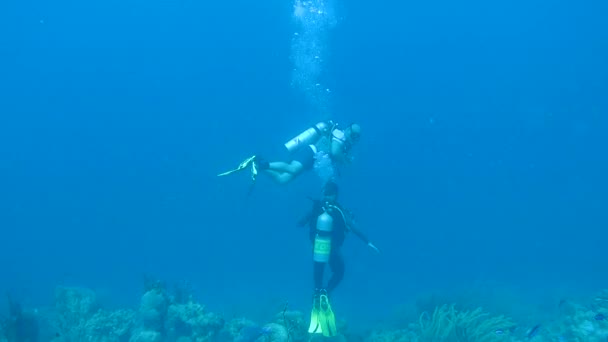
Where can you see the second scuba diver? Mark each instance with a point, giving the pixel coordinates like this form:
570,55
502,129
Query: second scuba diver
324,139
329,223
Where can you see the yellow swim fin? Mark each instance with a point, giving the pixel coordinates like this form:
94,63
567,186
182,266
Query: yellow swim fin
241,166
327,319
314,327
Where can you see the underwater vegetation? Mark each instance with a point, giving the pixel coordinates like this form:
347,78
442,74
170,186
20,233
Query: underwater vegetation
575,322
448,324
174,316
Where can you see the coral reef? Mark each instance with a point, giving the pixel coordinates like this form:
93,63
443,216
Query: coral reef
169,317
192,320
449,324
582,323
238,329
77,316
401,335
165,316
600,303
296,324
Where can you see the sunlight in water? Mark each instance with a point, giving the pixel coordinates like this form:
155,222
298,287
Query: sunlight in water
313,19
298,9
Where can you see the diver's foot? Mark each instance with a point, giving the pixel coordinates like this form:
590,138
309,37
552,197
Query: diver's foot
247,162
318,293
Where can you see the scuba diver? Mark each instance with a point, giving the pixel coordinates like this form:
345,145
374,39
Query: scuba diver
329,223
323,140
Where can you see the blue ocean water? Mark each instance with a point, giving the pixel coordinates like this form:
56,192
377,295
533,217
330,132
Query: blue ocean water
481,166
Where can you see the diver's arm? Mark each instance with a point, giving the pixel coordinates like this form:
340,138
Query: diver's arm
352,226
357,232
364,238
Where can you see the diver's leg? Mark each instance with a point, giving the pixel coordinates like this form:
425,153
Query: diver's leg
316,315
318,268
283,172
293,167
336,263
279,177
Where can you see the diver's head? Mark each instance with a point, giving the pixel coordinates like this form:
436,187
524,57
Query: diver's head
330,192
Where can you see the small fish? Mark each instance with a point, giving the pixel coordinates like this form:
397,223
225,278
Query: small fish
505,330
599,317
534,331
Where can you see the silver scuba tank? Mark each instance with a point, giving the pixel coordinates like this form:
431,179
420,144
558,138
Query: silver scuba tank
308,137
322,245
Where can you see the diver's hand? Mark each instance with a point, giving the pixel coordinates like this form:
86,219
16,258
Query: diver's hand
372,246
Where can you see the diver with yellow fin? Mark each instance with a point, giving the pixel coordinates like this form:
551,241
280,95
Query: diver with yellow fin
324,138
329,223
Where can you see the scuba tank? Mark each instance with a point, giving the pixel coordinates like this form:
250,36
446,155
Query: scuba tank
322,246
308,137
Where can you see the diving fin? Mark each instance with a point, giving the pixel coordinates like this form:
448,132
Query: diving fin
327,319
314,327
241,166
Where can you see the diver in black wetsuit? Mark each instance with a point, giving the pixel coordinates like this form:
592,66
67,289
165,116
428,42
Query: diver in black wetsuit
325,139
342,223
329,222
